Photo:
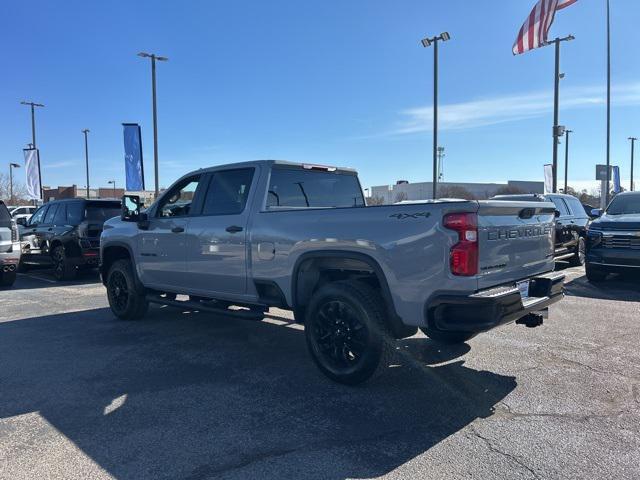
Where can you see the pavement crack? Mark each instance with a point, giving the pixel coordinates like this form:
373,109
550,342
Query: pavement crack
511,457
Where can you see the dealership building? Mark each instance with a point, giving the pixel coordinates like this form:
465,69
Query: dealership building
403,190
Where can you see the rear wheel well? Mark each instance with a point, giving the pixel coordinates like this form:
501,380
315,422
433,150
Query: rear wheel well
312,273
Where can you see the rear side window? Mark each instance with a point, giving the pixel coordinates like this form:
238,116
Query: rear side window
560,206
101,212
51,213
61,215
75,212
227,192
293,188
576,207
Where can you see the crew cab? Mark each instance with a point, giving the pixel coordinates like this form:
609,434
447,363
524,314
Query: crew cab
65,235
9,247
613,240
570,226
238,239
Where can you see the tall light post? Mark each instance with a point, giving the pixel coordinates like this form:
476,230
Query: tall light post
633,141
566,159
114,187
86,156
604,196
153,58
33,106
557,129
426,42
11,167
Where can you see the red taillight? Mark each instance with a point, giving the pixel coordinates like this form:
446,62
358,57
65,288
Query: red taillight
463,257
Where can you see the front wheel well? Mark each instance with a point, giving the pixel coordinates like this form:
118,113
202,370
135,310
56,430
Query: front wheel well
110,255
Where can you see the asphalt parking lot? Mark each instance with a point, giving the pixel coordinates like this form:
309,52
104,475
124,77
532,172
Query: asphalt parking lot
193,396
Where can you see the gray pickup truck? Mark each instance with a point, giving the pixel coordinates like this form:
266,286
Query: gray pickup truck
238,239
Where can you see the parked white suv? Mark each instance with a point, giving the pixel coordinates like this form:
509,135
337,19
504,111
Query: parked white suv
9,247
24,211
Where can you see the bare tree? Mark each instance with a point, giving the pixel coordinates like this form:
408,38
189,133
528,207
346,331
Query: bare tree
454,191
375,200
401,197
19,190
509,190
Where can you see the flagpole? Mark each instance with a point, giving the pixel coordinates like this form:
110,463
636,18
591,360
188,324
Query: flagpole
605,195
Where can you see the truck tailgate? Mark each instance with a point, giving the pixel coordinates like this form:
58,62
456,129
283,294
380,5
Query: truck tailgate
516,240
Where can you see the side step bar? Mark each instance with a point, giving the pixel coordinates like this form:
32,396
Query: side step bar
202,306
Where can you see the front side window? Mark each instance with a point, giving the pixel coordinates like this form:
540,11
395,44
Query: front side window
38,217
177,203
295,188
227,192
624,205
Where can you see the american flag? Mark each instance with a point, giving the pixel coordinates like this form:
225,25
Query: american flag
534,30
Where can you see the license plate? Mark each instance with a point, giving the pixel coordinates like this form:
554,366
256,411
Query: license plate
523,288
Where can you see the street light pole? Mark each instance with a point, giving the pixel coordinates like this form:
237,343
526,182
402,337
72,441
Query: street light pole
153,58
11,167
426,42
605,194
633,141
556,101
114,187
86,156
33,119
566,159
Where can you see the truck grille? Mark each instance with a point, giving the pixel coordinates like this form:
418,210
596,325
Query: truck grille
621,242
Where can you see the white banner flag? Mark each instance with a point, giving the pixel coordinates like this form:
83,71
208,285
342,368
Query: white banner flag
548,178
32,169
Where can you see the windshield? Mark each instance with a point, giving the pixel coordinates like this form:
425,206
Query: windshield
624,204
102,212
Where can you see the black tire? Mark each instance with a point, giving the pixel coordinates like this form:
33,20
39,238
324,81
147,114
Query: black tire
595,275
7,279
63,269
299,314
346,332
579,257
125,301
23,267
450,338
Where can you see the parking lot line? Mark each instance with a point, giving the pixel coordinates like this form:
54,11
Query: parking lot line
48,280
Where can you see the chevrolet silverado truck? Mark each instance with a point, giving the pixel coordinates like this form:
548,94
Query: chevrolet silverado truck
238,239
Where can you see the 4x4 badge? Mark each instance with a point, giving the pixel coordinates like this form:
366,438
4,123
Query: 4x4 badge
402,216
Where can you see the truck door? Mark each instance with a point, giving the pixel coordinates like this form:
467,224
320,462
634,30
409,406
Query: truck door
217,237
162,246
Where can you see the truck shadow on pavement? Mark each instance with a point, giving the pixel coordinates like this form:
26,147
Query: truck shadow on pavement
624,288
189,395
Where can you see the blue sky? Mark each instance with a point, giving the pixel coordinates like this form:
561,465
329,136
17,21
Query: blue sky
325,81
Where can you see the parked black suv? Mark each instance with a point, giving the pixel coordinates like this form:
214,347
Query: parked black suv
65,234
571,224
613,240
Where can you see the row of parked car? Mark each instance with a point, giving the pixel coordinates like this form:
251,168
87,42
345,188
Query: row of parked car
65,234
604,241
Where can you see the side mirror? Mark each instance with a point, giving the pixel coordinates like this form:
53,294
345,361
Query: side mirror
130,208
596,212
22,221
556,213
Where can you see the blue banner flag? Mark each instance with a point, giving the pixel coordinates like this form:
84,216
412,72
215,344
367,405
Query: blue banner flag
134,166
616,179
